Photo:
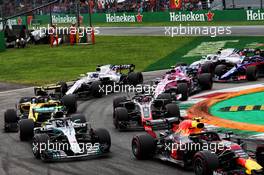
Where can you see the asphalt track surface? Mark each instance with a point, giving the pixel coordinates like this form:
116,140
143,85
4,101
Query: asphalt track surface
161,31
16,157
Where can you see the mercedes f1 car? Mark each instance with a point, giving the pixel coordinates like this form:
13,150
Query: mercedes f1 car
182,81
135,112
33,111
97,83
62,138
188,144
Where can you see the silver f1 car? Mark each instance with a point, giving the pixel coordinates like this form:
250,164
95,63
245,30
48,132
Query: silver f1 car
62,138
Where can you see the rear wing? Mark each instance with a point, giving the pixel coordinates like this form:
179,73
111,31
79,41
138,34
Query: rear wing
130,67
47,90
165,123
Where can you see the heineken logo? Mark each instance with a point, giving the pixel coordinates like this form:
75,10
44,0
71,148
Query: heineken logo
255,16
63,19
191,16
124,18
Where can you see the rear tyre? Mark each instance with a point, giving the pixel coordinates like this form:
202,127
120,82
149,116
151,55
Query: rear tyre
118,100
252,73
120,115
183,89
11,120
135,78
207,68
39,144
205,162
220,70
143,146
104,139
96,89
260,155
26,128
205,80
173,110
70,102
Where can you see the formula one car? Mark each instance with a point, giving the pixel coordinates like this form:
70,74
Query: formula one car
97,83
182,81
33,111
188,144
249,69
133,113
63,137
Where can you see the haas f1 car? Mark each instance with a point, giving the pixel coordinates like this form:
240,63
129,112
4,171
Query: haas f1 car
105,77
182,81
62,138
33,111
189,145
134,113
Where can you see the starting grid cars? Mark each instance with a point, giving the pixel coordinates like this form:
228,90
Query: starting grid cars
50,118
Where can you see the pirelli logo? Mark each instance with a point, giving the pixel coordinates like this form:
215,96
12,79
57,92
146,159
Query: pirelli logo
243,108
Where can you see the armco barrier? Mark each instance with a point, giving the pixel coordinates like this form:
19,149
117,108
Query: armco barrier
175,16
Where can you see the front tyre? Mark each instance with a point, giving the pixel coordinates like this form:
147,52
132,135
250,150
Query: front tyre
104,139
205,163
143,146
26,128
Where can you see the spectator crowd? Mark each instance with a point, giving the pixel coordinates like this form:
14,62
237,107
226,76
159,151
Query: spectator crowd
11,7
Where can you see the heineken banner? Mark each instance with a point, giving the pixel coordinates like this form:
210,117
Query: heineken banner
173,16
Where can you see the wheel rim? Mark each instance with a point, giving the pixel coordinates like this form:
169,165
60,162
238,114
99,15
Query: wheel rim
135,148
198,167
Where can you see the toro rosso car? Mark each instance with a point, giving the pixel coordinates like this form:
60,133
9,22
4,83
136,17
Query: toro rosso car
189,145
182,81
103,79
33,111
62,138
249,69
133,113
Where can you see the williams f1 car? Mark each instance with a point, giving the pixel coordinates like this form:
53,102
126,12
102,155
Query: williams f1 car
62,138
135,112
33,111
189,145
98,82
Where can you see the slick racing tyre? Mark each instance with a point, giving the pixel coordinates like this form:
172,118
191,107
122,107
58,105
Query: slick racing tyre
252,73
135,78
220,70
205,162
173,110
96,89
143,146
260,155
70,102
118,100
165,96
39,144
207,68
120,115
183,89
26,128
205,80
11,120
104,139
